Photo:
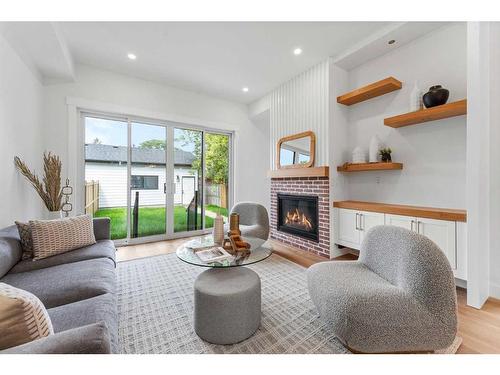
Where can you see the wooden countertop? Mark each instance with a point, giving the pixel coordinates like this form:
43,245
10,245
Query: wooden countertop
398,209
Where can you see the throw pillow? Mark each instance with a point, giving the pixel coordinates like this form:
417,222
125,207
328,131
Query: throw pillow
26,241
53,237
23,317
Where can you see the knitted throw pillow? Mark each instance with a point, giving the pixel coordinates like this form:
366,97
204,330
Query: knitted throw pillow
23,318
53,237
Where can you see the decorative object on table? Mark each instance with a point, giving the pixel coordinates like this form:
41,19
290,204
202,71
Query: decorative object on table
238,243
234,225
358,155
385,154
213,255
235,244
49,189
67,191
218,230
416,103
374,148
437,95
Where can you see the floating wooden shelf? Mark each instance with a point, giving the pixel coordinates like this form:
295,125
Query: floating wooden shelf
299,172
430,114
399,209
370,91
360,167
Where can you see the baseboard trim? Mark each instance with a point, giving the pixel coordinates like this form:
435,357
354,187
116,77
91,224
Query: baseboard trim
495,291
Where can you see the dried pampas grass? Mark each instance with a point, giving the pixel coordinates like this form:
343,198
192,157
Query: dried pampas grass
49,189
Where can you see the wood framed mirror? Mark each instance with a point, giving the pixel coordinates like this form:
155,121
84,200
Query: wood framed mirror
296,151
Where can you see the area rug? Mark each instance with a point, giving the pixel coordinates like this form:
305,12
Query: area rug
155,307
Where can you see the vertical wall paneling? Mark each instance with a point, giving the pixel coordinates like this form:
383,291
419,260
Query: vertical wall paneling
299,105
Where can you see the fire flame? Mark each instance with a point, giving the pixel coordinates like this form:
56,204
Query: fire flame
298,218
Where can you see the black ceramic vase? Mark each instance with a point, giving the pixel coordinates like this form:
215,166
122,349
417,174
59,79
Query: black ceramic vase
436,95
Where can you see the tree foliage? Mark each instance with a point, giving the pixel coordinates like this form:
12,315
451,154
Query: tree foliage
216,153
156,144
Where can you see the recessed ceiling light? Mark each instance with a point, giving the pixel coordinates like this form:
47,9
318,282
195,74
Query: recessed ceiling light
131,56
392,41
244,89
297,51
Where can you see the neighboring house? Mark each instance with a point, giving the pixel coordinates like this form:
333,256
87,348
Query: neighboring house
108,165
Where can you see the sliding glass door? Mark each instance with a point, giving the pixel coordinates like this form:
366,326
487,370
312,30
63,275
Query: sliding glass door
154,179
216,176
148,180
106,171
187,180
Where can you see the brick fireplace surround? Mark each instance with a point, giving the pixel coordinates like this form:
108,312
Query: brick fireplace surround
319,186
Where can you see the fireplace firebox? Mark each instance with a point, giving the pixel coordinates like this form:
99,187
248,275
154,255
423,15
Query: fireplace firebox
298,215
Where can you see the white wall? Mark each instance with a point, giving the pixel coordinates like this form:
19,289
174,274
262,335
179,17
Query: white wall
113,184
495,159
433,153
483,157
139,96
21,119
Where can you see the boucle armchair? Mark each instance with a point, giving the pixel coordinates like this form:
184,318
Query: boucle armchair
254,220
399,296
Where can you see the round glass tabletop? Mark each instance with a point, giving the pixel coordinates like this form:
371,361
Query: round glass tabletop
259,250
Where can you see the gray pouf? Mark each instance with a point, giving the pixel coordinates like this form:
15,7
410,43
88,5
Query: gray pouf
226,304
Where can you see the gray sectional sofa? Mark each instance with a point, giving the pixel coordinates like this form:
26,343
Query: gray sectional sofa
78,289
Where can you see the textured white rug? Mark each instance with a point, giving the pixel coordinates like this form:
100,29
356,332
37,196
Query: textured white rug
155,307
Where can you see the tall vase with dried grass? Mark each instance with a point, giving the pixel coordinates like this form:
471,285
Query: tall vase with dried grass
49,188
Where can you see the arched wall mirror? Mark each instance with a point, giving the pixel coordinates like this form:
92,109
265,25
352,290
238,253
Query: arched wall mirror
296,151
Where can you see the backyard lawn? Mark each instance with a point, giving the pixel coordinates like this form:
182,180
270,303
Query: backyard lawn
151,220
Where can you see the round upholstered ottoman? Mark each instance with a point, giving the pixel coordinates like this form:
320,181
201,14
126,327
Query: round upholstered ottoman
226,304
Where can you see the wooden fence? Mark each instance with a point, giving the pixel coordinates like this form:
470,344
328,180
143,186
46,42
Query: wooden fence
91,197
216,194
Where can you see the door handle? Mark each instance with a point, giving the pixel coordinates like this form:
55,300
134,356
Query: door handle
418,226
164,188
411,228
357,215
361,226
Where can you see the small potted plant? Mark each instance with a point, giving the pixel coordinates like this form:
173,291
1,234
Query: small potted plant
385,154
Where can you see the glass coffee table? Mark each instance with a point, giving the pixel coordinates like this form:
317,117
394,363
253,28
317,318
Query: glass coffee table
227,296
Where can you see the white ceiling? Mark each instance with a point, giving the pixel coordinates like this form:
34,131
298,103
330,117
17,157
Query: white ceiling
214,58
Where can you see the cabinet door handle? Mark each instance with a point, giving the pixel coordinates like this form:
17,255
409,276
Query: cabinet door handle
361,224
357,215
411,228
418,226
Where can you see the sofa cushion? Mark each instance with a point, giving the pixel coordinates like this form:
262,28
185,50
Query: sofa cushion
67,283
102,308
23,318
101,249
52,237
10,249
91,339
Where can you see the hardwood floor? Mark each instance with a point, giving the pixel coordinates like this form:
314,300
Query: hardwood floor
479,329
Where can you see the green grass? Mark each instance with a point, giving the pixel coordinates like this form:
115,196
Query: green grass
151,220
216,209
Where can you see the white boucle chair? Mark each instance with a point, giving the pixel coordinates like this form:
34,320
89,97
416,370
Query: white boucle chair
399,296
254,220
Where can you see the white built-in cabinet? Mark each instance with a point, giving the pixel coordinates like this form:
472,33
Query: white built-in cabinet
350,227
